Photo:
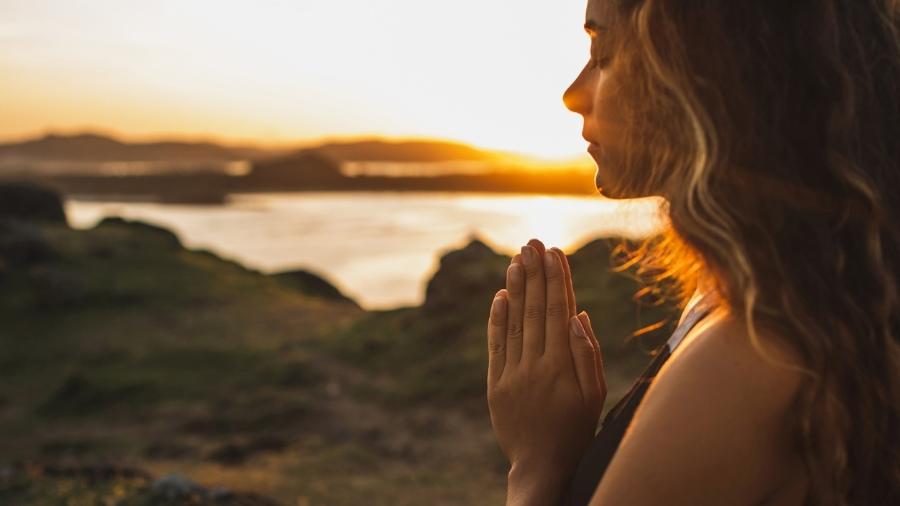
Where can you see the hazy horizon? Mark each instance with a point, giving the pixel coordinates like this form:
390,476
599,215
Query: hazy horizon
287,145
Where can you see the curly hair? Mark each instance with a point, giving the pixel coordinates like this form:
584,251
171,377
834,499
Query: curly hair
773,130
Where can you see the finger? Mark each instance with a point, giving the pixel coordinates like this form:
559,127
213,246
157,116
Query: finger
515,303
535,305
585,368
570,288
539,246
556,318
496,339
598,352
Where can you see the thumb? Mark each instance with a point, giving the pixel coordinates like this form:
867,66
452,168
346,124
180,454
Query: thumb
584,356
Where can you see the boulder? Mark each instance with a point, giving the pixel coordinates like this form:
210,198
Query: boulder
20,201
465,281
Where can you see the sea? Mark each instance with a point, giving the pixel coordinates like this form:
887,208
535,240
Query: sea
380,248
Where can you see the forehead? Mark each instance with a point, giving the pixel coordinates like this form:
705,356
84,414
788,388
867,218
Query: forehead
599,12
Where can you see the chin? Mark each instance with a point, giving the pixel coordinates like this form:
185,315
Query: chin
612,188
601,181
604,187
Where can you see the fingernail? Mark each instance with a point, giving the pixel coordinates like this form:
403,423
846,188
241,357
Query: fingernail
549,261
575,325
527,254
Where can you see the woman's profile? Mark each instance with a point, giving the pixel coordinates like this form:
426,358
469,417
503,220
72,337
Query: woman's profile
772,131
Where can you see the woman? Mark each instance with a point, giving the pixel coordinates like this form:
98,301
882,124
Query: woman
772,130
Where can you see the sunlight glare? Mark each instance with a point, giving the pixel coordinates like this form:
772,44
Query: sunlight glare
565,222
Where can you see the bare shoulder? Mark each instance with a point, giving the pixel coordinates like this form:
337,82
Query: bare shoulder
714,427
722,350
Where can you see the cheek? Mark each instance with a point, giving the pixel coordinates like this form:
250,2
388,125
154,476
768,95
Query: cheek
607,111
609,124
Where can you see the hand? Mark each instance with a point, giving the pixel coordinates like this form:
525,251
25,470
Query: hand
545,384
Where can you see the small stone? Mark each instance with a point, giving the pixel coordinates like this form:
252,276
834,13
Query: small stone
174,486
333,388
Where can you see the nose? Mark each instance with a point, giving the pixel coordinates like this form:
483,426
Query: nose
576,97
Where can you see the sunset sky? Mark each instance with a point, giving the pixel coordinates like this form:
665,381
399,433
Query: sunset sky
487,72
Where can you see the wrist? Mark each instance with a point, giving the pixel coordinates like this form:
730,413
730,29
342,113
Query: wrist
531,486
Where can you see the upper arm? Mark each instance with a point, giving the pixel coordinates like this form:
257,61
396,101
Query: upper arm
711,429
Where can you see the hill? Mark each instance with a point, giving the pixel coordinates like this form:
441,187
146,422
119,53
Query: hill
90,147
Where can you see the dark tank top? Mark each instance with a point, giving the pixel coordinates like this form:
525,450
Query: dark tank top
594,462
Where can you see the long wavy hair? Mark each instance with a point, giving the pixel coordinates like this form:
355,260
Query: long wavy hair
773,130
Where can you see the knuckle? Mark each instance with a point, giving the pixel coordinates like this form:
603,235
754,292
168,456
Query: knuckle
513,284
514,331
585,352
549,369
532,271
534,312
553,274
530,373
556,309
542,372
496,348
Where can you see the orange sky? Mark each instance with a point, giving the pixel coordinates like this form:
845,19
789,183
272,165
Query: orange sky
488,72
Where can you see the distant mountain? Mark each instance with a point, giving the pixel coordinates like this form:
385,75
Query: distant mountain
90,147
404,151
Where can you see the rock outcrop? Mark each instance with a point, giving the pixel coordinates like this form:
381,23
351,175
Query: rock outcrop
311,284
464,278
31,203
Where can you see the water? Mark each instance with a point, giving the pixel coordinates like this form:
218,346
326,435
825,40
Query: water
380,248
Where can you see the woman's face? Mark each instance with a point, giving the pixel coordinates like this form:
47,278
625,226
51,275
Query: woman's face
593,95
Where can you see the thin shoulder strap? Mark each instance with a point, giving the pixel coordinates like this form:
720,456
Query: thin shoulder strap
698,309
